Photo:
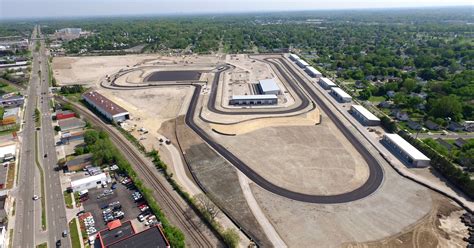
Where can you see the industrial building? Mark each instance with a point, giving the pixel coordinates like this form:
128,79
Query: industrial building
326,83
364,116
268,87
67,137
88,182
110,110
123,235
294,57
340,95
405,150
61,115
12,100
253,100
313,72
71,124
301,63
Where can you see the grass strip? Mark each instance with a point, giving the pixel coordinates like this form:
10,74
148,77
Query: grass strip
75,241
43,194
68,199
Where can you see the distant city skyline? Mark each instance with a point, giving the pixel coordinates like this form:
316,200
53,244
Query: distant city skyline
10,9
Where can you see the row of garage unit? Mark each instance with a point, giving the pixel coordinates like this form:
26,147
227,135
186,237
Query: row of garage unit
395,143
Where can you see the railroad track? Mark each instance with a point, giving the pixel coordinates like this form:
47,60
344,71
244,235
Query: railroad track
186,222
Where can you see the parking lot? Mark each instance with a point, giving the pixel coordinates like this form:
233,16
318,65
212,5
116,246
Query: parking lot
121,194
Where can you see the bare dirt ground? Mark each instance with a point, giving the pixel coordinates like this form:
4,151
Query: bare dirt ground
308,119
440,228
149,109
88,70
307,159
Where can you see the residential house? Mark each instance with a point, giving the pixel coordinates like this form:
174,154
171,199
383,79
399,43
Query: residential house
459,142
455,127
414,125
431,125
444,143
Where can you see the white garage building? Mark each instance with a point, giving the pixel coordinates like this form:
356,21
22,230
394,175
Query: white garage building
268,87
313,72
405,150
340,95
364,116
301,63
88,182
253,100
294,57
326,83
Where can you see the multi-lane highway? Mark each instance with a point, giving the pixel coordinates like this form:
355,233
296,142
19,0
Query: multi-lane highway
26,225
28,231
55,205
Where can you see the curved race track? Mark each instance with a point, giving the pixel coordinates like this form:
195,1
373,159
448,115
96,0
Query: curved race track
375,170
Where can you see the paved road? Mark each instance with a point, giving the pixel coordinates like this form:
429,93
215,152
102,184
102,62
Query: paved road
25,229
296,81
55,206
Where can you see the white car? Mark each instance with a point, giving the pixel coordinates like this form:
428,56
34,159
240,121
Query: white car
35,197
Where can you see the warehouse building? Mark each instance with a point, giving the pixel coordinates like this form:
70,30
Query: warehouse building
405,150
67,137
268,87
88,182
253,100
106,107
313,72
326,83
364,116
294,57
301,63
125,235
71,124
340,95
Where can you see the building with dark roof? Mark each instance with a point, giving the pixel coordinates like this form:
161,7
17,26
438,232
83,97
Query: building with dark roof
124,235
79,162
431,125
110,110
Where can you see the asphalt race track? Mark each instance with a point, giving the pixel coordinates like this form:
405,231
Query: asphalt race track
375,170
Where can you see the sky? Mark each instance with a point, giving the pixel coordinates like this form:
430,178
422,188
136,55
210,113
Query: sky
76,8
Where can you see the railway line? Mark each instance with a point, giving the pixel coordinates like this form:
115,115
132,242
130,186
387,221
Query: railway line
186,222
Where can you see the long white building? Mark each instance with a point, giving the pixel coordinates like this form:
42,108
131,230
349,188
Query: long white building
301,63
364,116
313,72
253,100
326,83
294,57
88,182
340,95
405,150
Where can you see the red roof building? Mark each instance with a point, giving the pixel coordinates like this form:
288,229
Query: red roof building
61,115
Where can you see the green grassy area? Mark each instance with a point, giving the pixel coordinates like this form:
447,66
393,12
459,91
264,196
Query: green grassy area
10,241
37,117
377,99
68,199
43,245
43,194
6,88
74,233
75,97
10,176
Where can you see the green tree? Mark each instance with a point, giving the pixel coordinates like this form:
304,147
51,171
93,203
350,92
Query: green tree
446,106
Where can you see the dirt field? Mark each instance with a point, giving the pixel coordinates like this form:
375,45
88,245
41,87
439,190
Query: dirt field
149,109
440,228
307,159
89,70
